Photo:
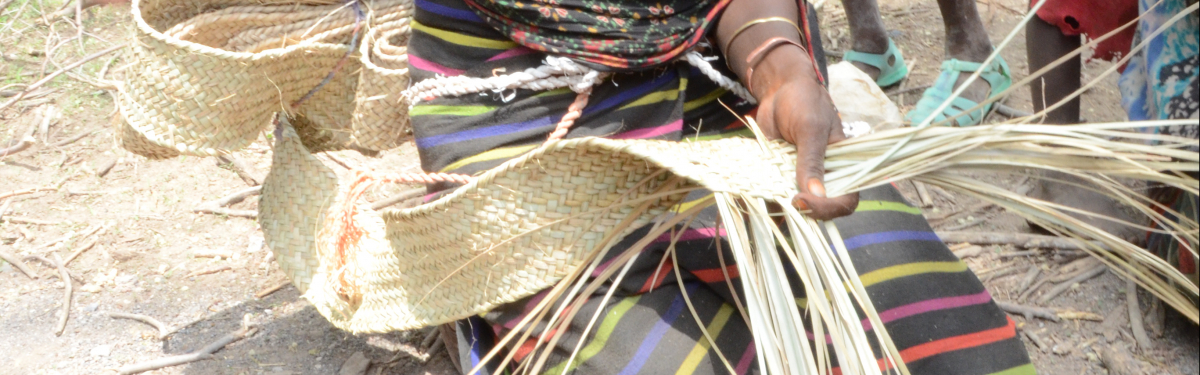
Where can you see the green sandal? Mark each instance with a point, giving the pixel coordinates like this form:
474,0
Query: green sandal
996,74
889,73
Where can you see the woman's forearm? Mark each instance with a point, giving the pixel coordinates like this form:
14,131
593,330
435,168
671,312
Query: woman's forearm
778,64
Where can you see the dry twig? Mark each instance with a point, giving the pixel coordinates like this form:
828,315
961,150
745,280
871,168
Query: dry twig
90,244
234,198
67,290
272,289
1022,240
243,170
209,271
202,354
923,193
209,253
107,167
1035,339
163,331
18,264
1030,276
51,76
968,251
24,192
23,145
1135,316
1080,315
1029,312
251,214
1067,285
73,139
26,220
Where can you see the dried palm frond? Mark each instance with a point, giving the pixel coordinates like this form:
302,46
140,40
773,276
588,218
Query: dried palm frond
933,155
1098,154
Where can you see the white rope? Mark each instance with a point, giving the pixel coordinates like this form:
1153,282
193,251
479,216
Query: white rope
556,73
562,72
695,59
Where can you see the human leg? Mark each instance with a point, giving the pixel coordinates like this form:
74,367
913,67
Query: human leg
1045,43
967,45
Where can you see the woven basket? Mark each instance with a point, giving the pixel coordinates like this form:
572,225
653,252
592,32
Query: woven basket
207,76
502,237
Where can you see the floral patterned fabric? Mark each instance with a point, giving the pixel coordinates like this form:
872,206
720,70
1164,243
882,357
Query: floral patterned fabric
612,34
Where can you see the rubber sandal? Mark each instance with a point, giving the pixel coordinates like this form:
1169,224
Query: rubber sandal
997,75
889,73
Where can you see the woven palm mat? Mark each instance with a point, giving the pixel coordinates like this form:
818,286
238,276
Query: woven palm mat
207,76
516,230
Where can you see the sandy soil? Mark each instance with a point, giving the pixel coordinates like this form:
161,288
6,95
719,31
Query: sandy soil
152,242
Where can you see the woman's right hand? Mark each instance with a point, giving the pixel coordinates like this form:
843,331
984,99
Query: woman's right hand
794,106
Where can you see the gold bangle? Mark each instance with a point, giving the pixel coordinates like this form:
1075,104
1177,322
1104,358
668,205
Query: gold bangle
756,22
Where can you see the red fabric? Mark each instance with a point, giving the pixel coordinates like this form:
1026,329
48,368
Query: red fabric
1093,18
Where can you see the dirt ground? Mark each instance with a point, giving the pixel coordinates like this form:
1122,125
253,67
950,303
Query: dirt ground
151,245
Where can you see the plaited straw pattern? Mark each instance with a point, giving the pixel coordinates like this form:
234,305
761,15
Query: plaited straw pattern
295,197
208,75
515,230
381,119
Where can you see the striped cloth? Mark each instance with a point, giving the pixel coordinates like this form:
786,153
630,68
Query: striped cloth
939,314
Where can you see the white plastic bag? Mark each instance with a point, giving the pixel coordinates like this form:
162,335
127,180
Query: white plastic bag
858,98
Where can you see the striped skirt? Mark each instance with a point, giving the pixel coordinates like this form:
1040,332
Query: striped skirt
938,313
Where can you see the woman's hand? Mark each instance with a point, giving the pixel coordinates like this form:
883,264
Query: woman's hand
795,107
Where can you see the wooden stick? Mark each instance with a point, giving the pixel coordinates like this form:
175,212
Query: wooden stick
1067,285
243,170
209,271
1035,339
73,139
1135,316
18,264
66,309
968,224
26,220
937,219
69,236
429,337
90,244
1033,288
107,166
1029,312
207,253
23,145
24,192
272,289
234,198
162,328
1076,268
51,76
923,193
1022,240
403,196
204,353
227,212
1001,273
52,264
1030,276
5,3
968,252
